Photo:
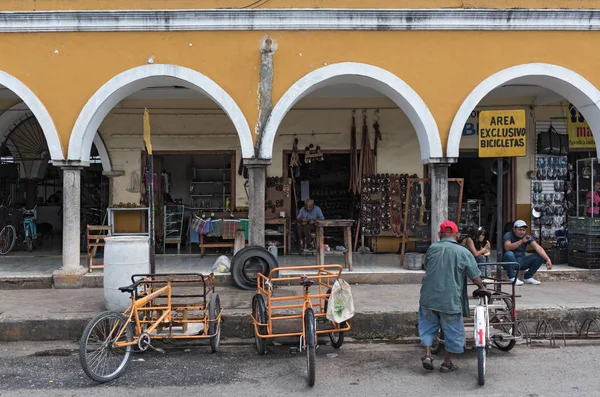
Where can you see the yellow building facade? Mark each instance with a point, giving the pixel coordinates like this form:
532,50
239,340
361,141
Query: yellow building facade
86,71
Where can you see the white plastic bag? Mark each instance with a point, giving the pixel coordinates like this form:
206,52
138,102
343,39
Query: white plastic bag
341,305
222,265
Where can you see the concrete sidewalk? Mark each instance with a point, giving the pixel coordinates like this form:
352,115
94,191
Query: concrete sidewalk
387,311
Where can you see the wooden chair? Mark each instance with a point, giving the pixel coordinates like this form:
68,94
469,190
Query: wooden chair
95,238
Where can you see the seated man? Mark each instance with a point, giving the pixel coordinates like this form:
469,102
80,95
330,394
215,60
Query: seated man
306,224
515,247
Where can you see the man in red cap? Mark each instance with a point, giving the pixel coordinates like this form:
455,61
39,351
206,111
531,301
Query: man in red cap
444,299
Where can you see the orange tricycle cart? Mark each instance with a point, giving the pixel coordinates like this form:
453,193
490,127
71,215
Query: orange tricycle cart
307,310
163,306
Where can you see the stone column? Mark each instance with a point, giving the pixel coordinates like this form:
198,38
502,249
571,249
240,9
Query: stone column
71,272
256,199
438,173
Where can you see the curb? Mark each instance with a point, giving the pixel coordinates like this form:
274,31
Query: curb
365,326
96,280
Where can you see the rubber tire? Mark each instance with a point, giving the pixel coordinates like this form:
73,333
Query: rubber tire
311,336
481,357
512,343
259,311
214,308
83,342
338,341
10,234
29,243
240,279
436,347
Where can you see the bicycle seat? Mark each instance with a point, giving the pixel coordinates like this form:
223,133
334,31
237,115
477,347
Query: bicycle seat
480,293
130,288
306,282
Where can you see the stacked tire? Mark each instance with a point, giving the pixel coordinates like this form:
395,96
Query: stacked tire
247,263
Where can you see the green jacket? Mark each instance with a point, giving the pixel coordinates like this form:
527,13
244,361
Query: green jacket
444,287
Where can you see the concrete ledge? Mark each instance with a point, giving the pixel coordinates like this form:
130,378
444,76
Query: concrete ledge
11,283
365,325
96,280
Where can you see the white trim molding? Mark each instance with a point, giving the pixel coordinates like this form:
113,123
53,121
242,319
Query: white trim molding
369,76
299,19
138,78
568,84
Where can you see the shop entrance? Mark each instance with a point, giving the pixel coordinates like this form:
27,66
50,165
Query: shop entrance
326,180
192,184
480,191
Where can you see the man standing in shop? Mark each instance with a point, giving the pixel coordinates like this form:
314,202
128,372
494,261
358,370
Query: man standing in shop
515,247
306,224
444,299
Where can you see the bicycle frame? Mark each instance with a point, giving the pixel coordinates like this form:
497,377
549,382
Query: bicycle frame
144,300
30,227
481,330
325,273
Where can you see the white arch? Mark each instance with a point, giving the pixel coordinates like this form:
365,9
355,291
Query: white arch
20,111
38,110
366,75
102,152
138,78
564,82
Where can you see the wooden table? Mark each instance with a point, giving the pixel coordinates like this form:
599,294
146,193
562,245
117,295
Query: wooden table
284,223
346,224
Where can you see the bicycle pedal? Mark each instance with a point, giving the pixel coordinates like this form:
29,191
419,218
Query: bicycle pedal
157,349
294,350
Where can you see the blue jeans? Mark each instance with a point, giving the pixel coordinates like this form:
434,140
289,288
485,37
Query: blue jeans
531,263
430,322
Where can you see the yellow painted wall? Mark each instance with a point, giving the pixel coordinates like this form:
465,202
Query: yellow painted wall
38,5
442,67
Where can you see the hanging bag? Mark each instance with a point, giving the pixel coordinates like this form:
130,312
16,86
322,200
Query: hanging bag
341,305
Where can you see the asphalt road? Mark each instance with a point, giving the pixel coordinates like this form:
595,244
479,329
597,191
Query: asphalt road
375,369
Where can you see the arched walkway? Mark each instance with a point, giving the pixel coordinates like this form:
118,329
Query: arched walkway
366,75
564,82
138,78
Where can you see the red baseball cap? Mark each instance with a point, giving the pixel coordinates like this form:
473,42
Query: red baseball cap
448,227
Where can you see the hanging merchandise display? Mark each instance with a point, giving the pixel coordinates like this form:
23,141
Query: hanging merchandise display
382,204
378,136
366,164
277,197
548,196
354,172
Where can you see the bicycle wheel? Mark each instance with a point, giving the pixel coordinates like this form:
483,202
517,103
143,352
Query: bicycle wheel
8,237
337,338
259,312
214,326
99,358
29,243
311,336
481,356
437,344
504,345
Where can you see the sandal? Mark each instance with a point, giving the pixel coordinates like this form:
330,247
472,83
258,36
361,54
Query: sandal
448,367
427,362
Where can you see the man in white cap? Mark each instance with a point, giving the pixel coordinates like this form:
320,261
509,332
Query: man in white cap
515,248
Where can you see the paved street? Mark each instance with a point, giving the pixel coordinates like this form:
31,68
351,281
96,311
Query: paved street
52,369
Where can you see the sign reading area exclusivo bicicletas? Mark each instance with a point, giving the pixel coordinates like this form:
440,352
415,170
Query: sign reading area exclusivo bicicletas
502,133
